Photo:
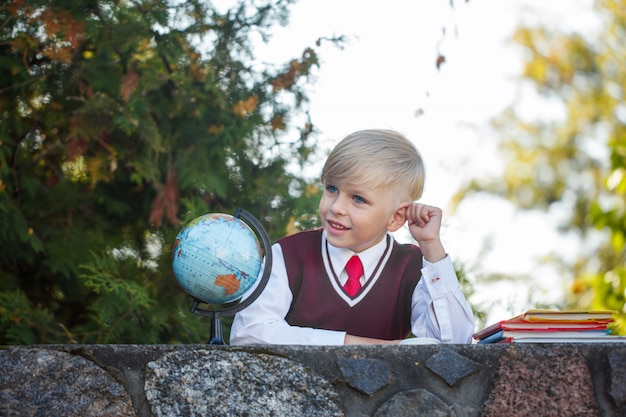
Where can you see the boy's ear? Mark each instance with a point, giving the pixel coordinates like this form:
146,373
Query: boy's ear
398,217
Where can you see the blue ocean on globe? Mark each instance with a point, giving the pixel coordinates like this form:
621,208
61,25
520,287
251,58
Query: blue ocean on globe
216,258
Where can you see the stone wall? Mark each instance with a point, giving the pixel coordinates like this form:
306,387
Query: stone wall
202,380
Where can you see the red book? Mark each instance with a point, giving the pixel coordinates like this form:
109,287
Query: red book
550,326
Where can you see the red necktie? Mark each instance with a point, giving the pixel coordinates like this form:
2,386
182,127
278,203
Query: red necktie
354,268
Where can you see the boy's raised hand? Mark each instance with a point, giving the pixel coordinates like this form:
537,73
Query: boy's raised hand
424,224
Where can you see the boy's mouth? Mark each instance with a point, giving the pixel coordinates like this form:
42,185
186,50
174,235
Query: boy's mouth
337,226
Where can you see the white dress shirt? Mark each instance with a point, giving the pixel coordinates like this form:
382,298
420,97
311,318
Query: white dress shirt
438,310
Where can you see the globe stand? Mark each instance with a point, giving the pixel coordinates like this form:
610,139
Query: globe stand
216,332
216,336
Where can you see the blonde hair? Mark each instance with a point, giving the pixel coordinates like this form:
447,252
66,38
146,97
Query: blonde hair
377,158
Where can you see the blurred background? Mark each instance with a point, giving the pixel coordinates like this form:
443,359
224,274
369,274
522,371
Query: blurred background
441,73
119,122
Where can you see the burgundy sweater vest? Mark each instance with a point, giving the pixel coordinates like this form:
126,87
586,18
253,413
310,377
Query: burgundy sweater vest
384,313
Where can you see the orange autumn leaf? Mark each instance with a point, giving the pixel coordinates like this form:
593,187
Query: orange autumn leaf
64,34
63,26
165,205
56,53
215,129
14,6
278,123
245,107
76,146
295,70
440,60
578,287
129,84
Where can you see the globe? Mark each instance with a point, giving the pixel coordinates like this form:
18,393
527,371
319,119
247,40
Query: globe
216,258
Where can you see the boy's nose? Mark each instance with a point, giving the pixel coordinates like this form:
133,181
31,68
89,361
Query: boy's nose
338,206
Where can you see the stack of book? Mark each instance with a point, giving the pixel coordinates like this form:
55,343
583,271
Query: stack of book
551,326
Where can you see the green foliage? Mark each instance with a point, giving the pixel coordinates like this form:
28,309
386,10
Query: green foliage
119,121
466,282
22,324
576,164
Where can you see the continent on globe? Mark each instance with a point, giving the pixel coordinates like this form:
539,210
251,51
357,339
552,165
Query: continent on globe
229,282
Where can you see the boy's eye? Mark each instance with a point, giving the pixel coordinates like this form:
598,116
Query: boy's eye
331,189
358,199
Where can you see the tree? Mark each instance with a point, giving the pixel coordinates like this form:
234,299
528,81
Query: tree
576,163
118,122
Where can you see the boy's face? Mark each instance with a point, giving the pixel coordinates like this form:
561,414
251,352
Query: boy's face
357,217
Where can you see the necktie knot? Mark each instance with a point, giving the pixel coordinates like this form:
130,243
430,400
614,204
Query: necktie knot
354,268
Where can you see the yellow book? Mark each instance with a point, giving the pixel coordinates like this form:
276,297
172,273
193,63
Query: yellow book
604,316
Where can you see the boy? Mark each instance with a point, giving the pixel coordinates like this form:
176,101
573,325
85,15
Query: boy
371,180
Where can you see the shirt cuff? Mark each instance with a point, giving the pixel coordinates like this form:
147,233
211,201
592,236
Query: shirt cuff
439,277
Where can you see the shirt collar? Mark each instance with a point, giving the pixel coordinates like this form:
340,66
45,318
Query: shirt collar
369,257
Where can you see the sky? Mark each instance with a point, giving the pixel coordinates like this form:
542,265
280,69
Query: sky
385,76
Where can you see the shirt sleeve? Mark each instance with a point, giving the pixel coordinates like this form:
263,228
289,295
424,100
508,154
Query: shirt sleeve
439,309
263,321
